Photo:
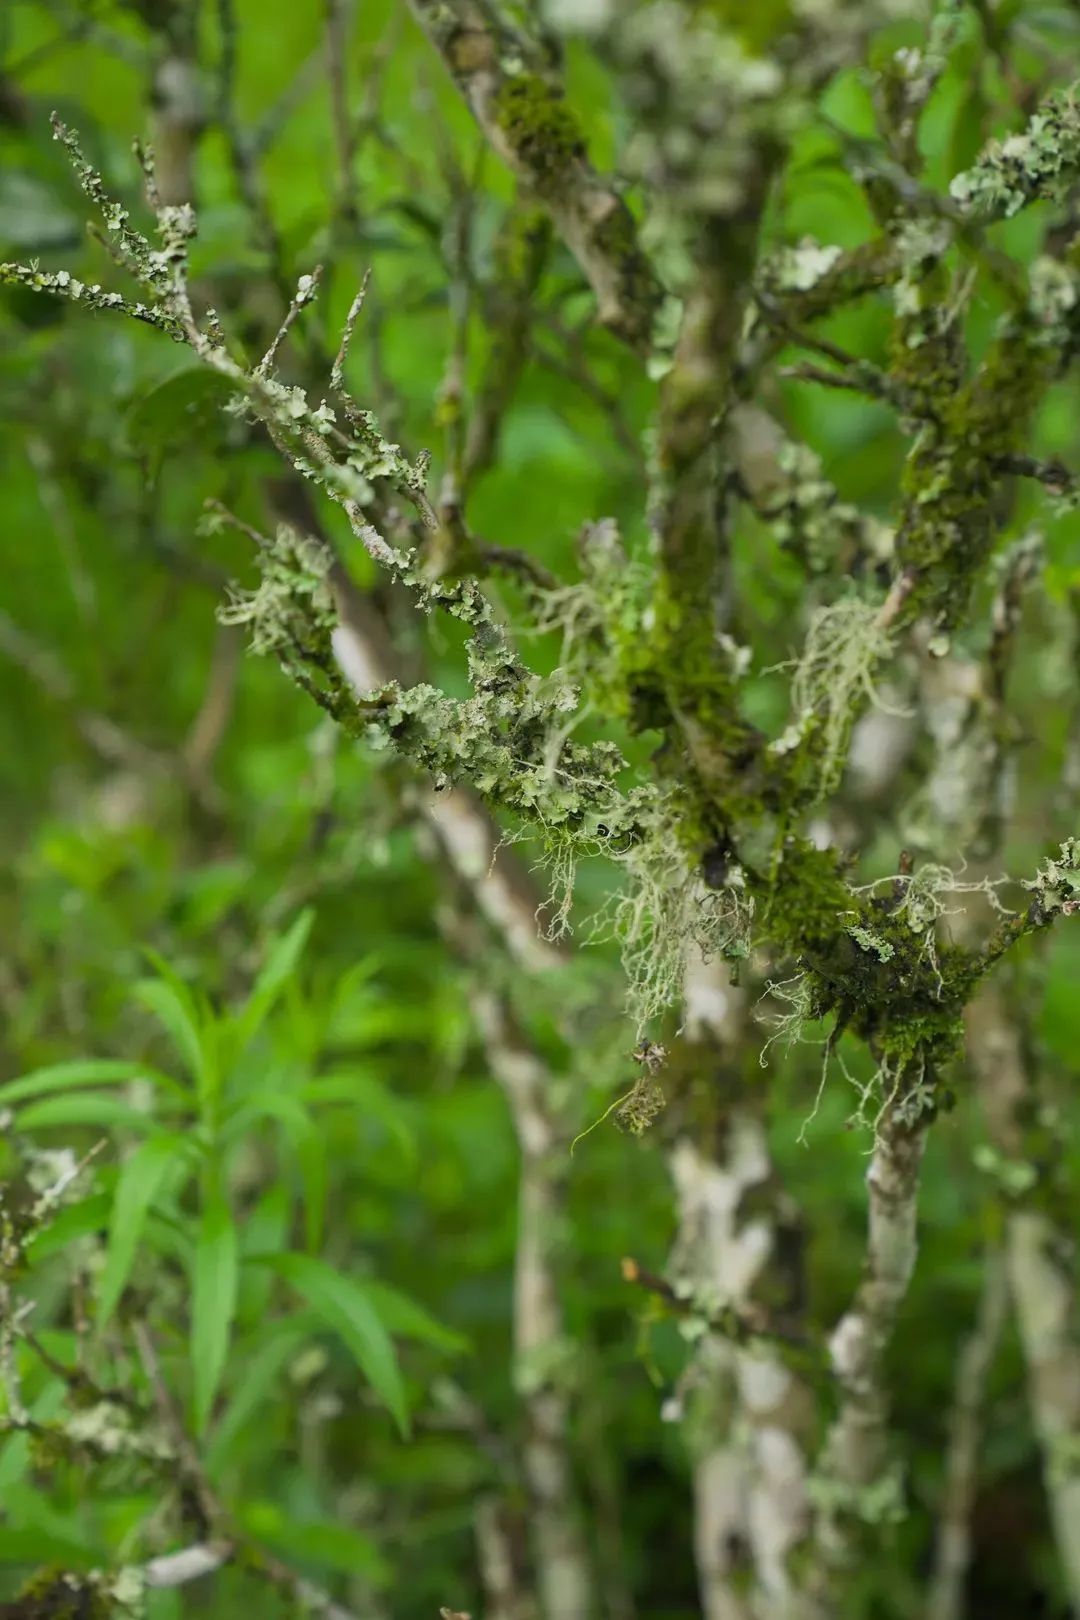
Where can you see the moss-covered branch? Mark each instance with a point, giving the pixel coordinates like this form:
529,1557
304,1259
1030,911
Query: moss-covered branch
530,125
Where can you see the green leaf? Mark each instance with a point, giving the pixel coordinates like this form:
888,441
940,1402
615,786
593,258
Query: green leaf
372,1100
92,1215
32,215
967,132
310,1148
347,1308
184,408
306,1142
266,1228
213,1303
84,1108
191,1026
334,1546
280,965
277,1105
404,1317
140,1179
175,1008
16,1461
84,1072
272,1350
166,1235
31,1546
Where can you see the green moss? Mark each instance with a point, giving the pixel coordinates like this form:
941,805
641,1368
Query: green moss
59,1595
540,129
950,521
521,245
615,239
874,961
808,900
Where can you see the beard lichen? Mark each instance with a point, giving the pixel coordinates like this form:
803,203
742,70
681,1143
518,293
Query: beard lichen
847,643
662,915
603,620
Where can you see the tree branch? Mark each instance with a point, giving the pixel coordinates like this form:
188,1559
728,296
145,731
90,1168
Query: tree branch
528,123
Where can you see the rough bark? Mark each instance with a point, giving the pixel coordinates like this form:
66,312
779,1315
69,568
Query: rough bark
854,1483
750,1481
1040,1263
954,1537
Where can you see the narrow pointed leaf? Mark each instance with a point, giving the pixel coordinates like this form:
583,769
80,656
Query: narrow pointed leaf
267,1356
61,1077
279,968
141,1178
175,1009
84,1108
345,1306
403,1317
67,1224
213,1303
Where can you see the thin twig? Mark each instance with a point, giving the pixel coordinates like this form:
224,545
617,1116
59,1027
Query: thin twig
306,290
337,378
740,1325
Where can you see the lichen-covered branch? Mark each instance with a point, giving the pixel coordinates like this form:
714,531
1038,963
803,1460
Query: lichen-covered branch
1038,161
61,284
510,740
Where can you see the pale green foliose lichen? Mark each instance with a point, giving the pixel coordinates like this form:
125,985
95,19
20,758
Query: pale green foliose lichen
1026,166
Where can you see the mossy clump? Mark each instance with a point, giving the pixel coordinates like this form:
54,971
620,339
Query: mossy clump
539,128
807,897
874,959
615,237
950,479
641,1105
521,245
54,1594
